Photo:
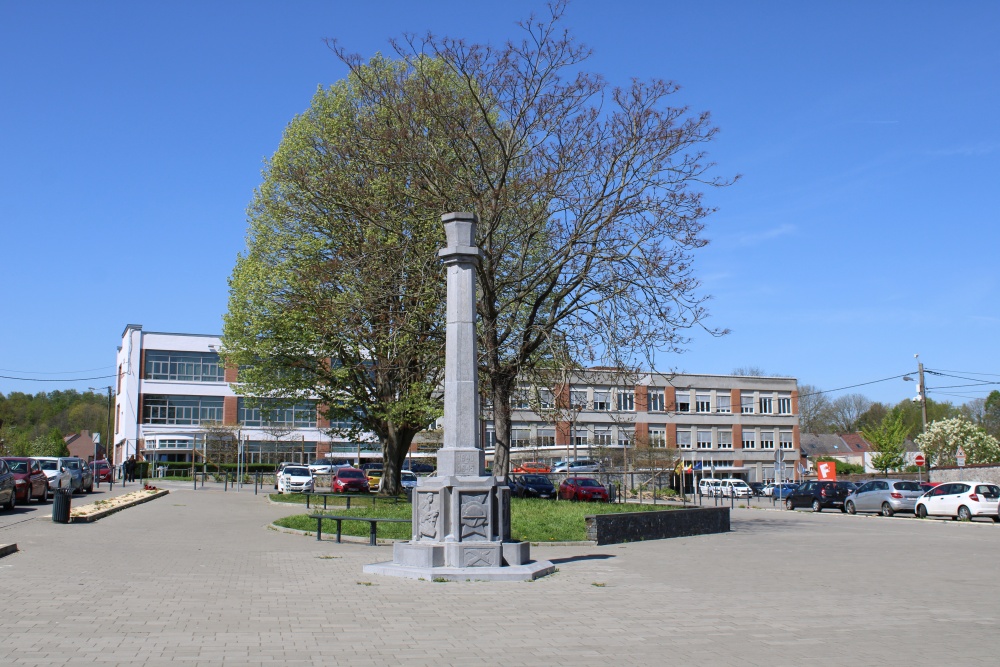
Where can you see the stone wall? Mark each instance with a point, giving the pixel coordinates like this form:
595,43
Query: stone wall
637,526
981,472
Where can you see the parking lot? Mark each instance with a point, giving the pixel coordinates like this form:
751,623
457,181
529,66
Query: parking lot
198,577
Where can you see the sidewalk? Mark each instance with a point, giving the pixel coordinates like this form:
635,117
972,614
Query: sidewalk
197,577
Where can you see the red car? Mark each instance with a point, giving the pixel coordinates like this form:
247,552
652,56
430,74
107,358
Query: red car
582,488
29,480
349,480
102,471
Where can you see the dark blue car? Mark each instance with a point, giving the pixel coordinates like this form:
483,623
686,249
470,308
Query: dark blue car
782,491
533,486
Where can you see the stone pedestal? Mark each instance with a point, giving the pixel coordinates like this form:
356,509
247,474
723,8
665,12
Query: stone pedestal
461,517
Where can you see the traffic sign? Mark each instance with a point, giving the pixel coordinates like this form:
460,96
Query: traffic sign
960,456
919,460
779,455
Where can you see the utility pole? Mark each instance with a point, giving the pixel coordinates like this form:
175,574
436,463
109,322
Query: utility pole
923,394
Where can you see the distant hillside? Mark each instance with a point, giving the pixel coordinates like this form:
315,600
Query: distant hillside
36,424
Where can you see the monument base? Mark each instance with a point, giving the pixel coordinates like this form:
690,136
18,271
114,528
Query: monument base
527,572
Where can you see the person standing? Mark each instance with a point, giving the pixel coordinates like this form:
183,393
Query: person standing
130,469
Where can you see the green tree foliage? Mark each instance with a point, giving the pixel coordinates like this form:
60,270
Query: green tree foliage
340,294
843,467
991,414
28,419
587,195
943,437
887,440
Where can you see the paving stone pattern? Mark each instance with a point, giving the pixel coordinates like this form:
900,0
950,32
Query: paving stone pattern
197,578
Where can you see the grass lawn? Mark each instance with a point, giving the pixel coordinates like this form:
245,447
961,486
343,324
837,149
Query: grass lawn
533,520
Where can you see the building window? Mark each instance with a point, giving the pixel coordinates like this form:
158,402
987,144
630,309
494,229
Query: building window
657,403
625,437
182,410
703,403
520,437
546,437
491,438
183,366
544,399
725,439
626,401
785,405
766,405
265,412
785,438
602,438
602,400
723,404
704,439
767,439
749,439
746,404
580,437
578,399
683,402
519,399
684,439
658,435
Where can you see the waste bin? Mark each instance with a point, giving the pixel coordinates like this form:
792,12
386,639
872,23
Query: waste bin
60,505
612,493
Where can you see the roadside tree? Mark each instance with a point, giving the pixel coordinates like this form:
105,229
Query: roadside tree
887,440
942,439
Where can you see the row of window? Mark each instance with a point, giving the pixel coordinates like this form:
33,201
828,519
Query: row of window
602,400
688,437
195,410
183,366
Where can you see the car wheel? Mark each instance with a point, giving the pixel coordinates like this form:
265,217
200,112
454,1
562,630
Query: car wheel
90,489
788,504
887,509
816,506
45,496
10,503
851,509
921,512
964,514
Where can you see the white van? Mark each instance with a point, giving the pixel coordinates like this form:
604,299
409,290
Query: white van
735,488
709,487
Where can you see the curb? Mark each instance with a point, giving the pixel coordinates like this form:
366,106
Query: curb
8,549
90,518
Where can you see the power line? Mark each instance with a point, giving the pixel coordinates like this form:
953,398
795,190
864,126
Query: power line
827,391
99,377
82,370
943,370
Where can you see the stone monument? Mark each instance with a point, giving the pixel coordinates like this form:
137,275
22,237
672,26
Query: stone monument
461,516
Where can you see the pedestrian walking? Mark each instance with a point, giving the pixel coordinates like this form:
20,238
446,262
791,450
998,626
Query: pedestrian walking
130,469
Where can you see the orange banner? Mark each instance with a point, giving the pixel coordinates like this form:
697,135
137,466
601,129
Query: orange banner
826,471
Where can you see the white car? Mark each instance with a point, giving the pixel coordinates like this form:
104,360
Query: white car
295,479
709,487
55,469
578,465
407,480
960,500
735,488
321,466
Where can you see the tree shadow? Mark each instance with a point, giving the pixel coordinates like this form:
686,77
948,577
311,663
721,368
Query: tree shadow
571,559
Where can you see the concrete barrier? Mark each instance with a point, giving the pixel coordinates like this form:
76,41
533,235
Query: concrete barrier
638,526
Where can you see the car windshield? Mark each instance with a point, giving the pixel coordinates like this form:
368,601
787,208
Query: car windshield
73,465
50,465
297,472
587,482
535,479
408,476
18,466
351,474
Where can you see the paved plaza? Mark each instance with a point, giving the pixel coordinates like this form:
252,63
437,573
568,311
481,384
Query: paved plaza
198,578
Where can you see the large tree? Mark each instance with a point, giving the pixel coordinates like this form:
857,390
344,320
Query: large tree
941,440
339,295
846,412
815,410
887,440
587,195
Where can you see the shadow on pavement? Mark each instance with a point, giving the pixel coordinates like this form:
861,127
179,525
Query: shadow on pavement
571,559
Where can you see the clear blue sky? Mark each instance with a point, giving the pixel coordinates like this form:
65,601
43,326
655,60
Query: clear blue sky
864,228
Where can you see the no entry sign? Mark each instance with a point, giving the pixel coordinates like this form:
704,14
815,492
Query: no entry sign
919,460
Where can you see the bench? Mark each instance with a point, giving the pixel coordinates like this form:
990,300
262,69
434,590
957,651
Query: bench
333,517
372,496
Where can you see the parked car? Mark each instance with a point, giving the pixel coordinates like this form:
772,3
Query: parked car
282,466
418,467
532,467
321,466
783,490
582,488
533,486
818,495
576,465
102,471
886,496
927,486
349,480
58,474
8,489
407,479
374,478
709,487
960,500
296,479
757,488
29,480
83,476
735,488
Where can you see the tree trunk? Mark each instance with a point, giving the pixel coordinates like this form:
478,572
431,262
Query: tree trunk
501,426
397,445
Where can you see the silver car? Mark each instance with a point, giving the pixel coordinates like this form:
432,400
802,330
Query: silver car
885,496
